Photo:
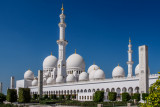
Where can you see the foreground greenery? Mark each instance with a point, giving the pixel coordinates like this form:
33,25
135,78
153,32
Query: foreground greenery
9,105
153,99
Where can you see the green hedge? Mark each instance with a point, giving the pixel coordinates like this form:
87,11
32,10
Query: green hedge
144,95
53,96
35,96
137,96
98,96
68,97
112,96
24,95
61,97
92,103
73,96
125,97
11,95
45,96
2,97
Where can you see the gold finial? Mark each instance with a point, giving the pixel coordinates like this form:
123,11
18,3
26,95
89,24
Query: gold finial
129,40
94,63
51,53
94,68
75,51
118,64
62,7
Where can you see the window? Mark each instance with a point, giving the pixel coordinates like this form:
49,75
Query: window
79,97
91,97
87,97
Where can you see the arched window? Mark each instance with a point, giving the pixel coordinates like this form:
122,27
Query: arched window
91,97
102,89
98,89
93,90
89,90
77,91
85,90
130,90
137,89
81,91
107,90
118,90
112,90
124,89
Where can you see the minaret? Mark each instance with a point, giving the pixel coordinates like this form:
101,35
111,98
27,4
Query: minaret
130,62
61,66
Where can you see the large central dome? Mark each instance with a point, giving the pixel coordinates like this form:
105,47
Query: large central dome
50,62
75,62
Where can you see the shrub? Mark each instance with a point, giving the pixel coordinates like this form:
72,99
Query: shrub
125,97
73,96
68,97
53,96
137,96
35,96
45,96
2,98
61,97
112,96
24,95
98,96
11,95
144,95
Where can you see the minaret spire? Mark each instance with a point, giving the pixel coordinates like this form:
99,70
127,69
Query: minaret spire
130,62
62,9
61,65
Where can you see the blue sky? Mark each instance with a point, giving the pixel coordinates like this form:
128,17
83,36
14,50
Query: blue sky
98,29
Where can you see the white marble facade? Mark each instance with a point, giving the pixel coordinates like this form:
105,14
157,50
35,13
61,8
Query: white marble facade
63,77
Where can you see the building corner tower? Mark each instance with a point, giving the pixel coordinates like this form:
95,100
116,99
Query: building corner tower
61,65
130,62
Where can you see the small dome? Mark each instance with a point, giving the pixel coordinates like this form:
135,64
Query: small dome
92,67
83,76
137,70
59,79
75,61
35,82
99,74
118,72
29,75
70,78
50,62
50,81
91,74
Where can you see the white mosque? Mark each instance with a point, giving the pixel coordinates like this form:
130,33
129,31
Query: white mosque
68,77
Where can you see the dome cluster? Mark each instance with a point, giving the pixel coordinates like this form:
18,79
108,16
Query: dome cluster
95,73
75,70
